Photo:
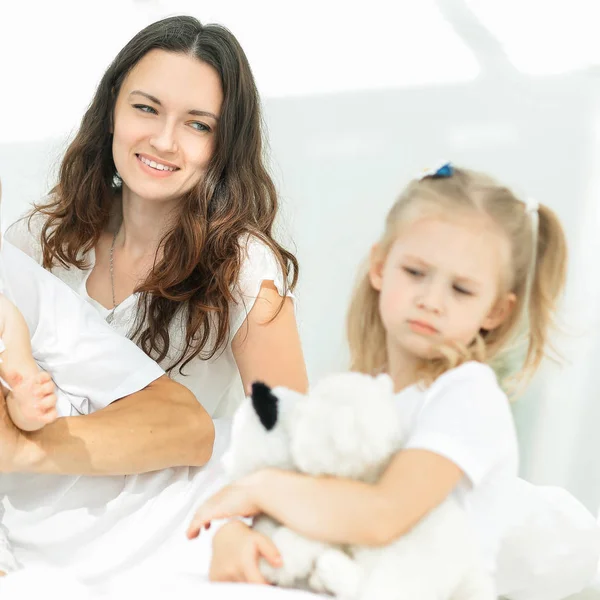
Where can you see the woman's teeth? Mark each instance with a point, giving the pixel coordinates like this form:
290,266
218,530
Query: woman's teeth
156,165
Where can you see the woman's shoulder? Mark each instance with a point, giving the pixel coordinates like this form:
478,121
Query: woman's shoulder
258,263
25,234
254,248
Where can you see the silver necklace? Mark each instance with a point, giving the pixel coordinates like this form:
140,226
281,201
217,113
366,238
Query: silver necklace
111,315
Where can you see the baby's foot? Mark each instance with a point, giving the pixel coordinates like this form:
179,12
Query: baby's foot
31,402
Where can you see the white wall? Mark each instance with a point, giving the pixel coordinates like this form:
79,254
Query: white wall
359,97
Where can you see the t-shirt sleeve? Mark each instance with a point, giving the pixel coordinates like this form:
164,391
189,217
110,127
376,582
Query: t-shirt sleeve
467,419
92,364
258,265
25,234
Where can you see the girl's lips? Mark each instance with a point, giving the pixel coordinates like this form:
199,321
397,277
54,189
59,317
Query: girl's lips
423,328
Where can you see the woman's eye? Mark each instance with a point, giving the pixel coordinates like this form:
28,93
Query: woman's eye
199,126
145,108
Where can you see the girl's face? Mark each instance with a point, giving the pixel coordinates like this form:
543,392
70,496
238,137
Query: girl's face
165,119
441,281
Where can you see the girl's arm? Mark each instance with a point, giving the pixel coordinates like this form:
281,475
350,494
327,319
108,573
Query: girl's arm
268,349
467,419
339,510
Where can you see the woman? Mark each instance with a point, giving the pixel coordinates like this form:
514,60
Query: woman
163,213
162,219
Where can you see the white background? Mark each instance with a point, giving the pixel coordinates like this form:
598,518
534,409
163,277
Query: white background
358,97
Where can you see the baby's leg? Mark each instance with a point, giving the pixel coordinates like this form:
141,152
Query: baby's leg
31,398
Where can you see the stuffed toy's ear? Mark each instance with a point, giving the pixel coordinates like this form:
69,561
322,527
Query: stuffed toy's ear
265,404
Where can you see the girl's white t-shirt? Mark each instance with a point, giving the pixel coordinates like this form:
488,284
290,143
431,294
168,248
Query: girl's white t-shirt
216,382
465,417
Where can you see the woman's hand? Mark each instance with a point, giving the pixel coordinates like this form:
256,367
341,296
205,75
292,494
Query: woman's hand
239,499
237,550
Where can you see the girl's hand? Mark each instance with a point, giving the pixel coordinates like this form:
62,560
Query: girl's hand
238,499
236,552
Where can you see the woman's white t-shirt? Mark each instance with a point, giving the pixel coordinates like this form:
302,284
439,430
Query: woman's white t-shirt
465,417
216,382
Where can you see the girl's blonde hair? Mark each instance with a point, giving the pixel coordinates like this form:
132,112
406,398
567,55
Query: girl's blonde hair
536,274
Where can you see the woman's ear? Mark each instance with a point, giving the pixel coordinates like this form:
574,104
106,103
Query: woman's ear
500,312
376,267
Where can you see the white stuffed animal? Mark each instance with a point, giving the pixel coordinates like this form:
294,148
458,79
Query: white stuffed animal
348,426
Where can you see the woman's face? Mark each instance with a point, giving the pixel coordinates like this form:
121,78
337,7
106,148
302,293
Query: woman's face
165,122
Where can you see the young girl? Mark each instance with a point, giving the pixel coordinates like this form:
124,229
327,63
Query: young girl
462,266
30,393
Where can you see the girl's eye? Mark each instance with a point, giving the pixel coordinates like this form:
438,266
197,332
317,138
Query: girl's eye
413,272
462,290
199,126
145,108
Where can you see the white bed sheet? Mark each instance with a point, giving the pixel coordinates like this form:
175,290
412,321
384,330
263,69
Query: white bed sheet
144,583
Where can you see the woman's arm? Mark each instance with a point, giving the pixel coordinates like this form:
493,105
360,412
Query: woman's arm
268,349
341,511
161,426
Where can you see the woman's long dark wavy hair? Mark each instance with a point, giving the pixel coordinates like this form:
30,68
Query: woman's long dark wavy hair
202,253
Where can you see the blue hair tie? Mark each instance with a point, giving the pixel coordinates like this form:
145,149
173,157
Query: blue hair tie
441,170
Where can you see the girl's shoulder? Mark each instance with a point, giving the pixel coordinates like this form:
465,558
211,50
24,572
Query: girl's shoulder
472,375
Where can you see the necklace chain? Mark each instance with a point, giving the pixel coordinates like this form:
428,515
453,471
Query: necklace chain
110,317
